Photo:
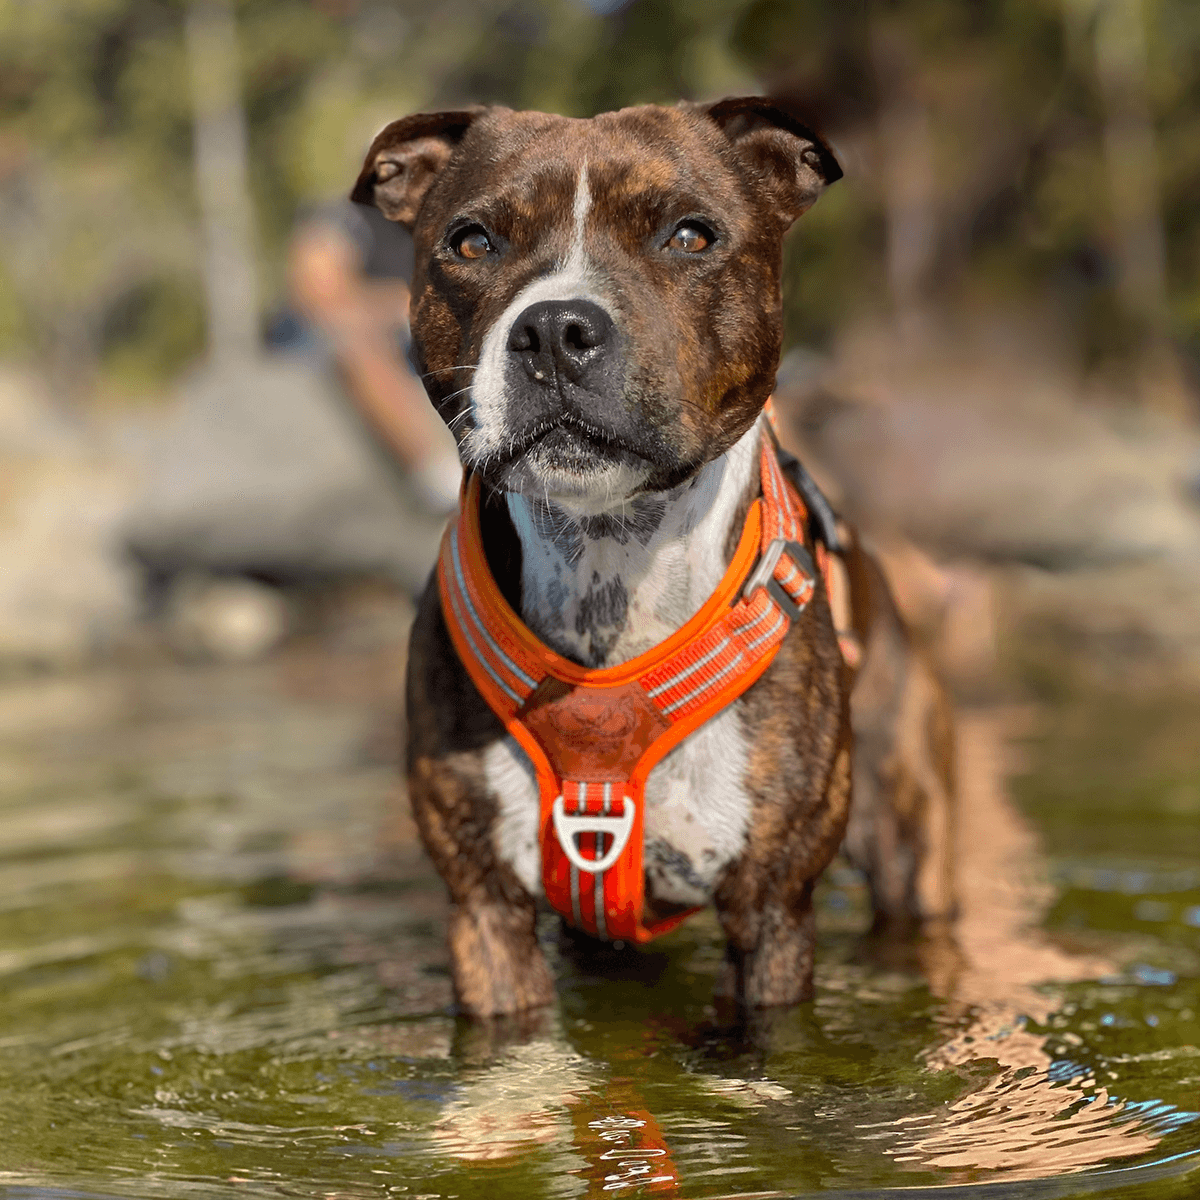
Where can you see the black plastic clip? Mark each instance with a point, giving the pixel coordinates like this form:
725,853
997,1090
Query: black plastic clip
763,575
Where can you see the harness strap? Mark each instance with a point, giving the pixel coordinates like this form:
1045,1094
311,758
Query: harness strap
593,736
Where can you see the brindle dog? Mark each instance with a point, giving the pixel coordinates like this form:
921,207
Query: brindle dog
597,317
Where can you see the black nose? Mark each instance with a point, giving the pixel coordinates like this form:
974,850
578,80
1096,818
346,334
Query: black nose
561,338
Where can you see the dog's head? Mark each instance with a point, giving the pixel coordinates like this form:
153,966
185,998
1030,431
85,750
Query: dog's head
596,304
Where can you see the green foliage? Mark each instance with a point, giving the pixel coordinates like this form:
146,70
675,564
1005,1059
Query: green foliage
97,200
14,325
151,332
831,267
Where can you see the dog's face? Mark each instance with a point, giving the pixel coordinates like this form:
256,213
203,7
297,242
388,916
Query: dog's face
596,304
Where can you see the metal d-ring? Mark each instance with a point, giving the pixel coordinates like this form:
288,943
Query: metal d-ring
568,825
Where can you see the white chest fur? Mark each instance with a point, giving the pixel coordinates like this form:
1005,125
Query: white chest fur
601,590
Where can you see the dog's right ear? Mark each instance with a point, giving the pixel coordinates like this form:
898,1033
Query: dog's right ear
405,159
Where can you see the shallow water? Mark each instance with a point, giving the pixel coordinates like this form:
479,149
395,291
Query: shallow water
222,974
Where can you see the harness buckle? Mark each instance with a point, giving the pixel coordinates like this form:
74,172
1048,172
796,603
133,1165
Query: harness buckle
764,575
617,826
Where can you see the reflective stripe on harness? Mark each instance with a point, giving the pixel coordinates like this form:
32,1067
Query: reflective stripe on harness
593,736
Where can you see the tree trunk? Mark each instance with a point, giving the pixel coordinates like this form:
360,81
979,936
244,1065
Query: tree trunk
226,207
907,177
1131,158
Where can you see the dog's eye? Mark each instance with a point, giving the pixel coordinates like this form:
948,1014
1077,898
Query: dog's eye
690,239
472,243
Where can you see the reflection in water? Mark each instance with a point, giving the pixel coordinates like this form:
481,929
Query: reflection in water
216,975
1000,981
520,1102
1033,1119
624,1149
540,1093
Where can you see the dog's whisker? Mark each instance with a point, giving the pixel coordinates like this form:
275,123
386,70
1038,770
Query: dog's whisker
447,370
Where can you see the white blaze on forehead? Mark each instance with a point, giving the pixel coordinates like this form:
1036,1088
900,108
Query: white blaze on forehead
571,280
579,211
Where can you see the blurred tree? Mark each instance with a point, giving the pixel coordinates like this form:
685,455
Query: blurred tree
1016,148
98,204
220,154
980,139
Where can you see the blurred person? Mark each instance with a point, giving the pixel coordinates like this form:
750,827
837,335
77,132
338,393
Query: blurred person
349,272
320,461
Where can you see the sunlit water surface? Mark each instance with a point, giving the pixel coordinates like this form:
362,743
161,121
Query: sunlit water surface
223,974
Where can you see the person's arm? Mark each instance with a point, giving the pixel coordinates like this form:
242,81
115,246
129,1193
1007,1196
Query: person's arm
360,319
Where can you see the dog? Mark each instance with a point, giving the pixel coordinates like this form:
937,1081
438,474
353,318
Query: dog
597,316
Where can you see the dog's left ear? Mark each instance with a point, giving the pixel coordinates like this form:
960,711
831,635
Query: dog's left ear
793,162
406,157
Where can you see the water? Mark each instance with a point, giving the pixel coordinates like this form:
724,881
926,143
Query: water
222,974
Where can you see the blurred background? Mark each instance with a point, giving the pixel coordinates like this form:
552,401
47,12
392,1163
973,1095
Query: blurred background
992,323
221,948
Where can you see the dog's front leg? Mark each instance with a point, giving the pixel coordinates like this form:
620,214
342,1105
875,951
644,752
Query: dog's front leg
769,954
765,903
496,963
495,960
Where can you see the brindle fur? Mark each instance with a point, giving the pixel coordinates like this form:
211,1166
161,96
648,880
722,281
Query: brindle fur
701,339
700,346
901,826
799,780
495,959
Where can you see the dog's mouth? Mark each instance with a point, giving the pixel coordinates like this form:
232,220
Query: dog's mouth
563,452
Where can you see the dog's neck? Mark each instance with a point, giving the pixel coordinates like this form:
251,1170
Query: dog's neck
602,589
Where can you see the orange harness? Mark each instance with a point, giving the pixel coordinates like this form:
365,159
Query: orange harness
594,735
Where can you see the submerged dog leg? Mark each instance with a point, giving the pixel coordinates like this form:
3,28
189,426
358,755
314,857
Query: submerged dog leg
496,962
767,914
769,959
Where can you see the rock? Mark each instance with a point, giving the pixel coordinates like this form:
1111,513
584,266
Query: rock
1024,478
230,619
65,591
270,472
1040,506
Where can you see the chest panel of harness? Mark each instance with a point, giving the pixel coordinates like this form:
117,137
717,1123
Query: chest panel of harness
594,735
